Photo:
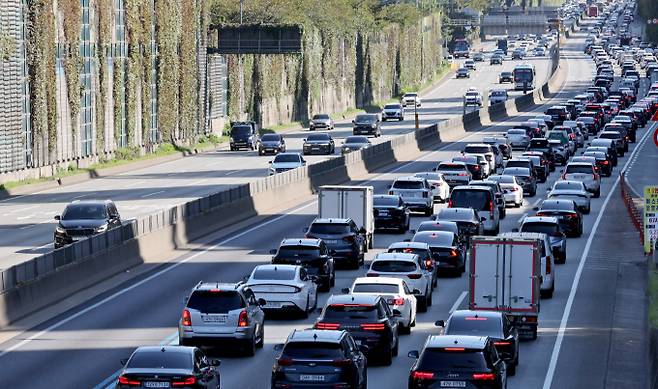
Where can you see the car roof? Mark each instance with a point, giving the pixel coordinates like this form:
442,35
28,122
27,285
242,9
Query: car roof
465,341
410,245
91,202
300,242
357,298
410,178
540,219
331,220
313,335
165,349
378,280
471,187
524,235
396,257
221,286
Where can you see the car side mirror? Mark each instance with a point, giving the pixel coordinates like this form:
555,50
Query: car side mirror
397,313
407,240
261,302
416,291
123,361
304,139
412,231
414,354
440,323
58,217
215,362
270,162
364,348
345,290
483,219
535,208
273,252
278,347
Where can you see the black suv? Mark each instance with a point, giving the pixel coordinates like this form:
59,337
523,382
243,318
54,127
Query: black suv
312,357
391,212
312,254
368,319
367,124
168,366
244,135
493,324
458,361
343,237
82,219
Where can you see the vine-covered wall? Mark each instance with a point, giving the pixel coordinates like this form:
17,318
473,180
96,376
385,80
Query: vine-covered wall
335,72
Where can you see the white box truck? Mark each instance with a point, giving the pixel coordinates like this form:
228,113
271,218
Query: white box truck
505,275
354,202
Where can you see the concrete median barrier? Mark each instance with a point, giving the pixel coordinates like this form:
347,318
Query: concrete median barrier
155,239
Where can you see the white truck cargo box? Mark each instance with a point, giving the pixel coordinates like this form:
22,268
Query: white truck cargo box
354,202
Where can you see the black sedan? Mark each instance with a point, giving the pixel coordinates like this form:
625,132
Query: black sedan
320,143
567,214
367,124
506,77
169,366
271,144
602,161
492,324
391,212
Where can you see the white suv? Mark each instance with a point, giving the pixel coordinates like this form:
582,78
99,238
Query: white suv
406,267
410,99
416,192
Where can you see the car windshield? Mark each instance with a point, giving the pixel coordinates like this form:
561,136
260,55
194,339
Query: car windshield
587,169
557,205
433,359
554,111
451,168
402,184
316,137
329,228
386,201
84,212
376,288
286,158
215,301
477,149
475,325
393,266
270,138
476,199
364,119
350,311
356,139
160,360
312,351
298,251
240,131
275,273
392,106
320,117
544,228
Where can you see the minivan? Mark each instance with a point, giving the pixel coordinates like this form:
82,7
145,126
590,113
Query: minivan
483,200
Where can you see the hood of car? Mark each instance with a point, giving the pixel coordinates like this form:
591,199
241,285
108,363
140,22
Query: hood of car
286,165
271,143
82,223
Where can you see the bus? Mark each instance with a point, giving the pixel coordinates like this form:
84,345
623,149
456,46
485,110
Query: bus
461,49
524,77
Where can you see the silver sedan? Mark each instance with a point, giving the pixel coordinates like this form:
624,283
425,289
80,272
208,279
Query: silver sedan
580,197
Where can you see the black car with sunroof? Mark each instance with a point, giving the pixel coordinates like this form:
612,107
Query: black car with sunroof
84,218
567,214
313,254
391,213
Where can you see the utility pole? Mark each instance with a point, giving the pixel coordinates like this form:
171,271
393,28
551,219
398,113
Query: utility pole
241,68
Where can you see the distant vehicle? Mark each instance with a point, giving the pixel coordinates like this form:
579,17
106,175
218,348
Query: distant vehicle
593,11
440,188
82,219
342,236
367,124
506,77
469,64
461,49
518,138
393,111
473,97
415,192
286,161
407,267
285,288
354,143
169,366
244,135
313,254
463,72
524,77
272,144
391,212
321,122
478,57
397,293
502,44
349,202
513,191
497,96
496,59
551,227
321,143
518,53
410,99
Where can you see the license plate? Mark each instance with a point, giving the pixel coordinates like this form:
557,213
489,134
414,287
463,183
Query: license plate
383,213
311,377
213,318
453,384
273,305
154,384
272,150
330,241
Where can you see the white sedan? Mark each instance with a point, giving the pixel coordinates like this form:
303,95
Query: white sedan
513,192
439,187
285,288
396,293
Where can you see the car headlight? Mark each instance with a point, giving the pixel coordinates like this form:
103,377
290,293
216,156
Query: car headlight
60,230
100,229
373,126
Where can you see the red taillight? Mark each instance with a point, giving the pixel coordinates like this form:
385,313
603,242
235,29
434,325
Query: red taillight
390,192
349,239
186,318
502,343
548,264
529,319
491,206
127,381
605,162
428,263
414,276
540,214
572,215
422,375
515,189
396,301
453,253
327,326
477,168
284,361
186,382
373,326
243,320
341,362
484,376
372,275
450,203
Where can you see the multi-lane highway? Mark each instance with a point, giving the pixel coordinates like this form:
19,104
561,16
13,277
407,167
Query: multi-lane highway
27,228
82,348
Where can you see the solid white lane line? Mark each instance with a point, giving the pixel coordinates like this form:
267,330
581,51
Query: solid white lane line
41,247
548,381
536,202
80,196
457,303
151,194
522,217
231,172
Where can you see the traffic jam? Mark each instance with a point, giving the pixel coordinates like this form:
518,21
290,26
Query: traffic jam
448,221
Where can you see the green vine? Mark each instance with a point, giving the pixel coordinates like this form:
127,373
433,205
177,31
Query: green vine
72,13
41,61
146,18
117,96
168,15
134,63
104,39
7,46
188,85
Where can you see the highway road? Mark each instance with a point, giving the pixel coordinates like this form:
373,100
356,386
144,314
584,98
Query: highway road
28,225
82,348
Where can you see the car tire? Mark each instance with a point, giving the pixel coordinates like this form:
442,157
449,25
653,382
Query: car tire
421,304
518,205
396,348
250,347
597,194
306,310
387,358
405,330
503,213
511,370
332,280
429,211
430,299
261,341
325,287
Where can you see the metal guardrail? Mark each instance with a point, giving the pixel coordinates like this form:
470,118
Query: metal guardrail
636,214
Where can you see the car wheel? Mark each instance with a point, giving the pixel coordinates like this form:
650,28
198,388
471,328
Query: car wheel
429,211
518,205
387,358
421,304
261,341
511,370
307,308
429,298
597,194
497,230
396,348
503,213
405,330
250,347
332,281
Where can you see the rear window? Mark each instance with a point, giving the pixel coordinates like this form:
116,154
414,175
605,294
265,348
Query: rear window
579,169
610,135
516,132
329,228
215,302
451,215
476,199
440,240
298,251
451,168
312,350
356,139
518,163
286,158
431,226
475,325
568,185
386,201
545,228
401,184
557,205
316,137
160,360
554,111
376,288
433,359
543,143
272,274
393,266
351,311
477,149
